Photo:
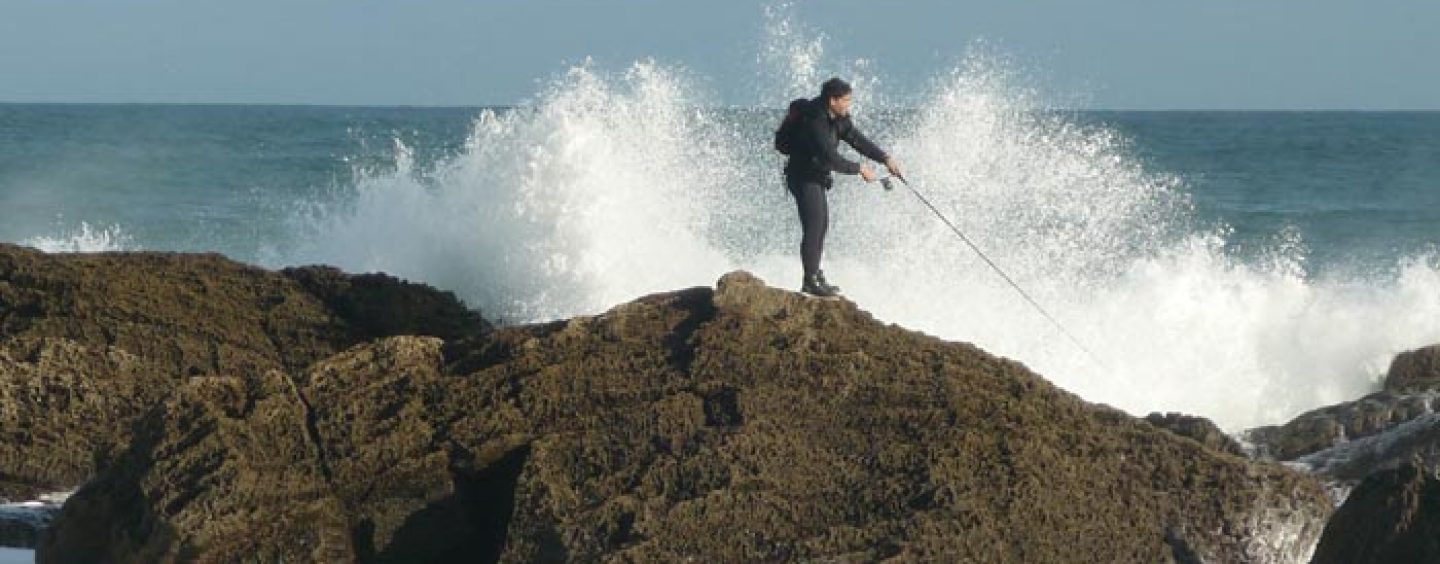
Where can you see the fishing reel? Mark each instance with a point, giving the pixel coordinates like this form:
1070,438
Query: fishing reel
889,182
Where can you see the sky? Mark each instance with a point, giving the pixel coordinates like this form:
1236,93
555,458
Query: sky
1105,54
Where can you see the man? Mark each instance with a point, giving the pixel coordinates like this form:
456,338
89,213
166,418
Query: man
824,122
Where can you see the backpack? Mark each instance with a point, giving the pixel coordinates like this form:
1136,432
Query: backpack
789,127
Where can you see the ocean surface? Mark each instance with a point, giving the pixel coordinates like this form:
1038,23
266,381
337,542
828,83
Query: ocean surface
1244,266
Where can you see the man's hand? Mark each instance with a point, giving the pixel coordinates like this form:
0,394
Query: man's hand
893,166
867,173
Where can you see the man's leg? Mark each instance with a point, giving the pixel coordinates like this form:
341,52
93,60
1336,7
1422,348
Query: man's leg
814,222
814,212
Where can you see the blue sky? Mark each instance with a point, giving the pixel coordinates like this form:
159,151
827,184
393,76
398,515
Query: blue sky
1120,54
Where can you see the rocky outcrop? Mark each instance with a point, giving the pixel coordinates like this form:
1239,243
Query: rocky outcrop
63,406
1199,429
1327,427
364,307
1347,442
1393,516
1349,462
742,423
199,314
1379,453
1415,371
91,342
323,467
20,527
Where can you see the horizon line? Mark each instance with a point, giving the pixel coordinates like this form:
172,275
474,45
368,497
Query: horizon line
721,107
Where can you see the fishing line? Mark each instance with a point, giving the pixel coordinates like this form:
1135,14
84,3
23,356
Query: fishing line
888,186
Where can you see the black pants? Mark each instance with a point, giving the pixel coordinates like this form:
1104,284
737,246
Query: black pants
814,220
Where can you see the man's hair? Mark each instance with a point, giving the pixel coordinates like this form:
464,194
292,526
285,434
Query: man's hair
834,88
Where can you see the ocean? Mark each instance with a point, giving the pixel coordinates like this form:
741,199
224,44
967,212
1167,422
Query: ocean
1243,266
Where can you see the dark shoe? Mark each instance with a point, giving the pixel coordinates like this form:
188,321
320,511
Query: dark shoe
814,287
820,277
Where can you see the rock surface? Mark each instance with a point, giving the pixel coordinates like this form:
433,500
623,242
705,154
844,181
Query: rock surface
21,527
1327,427
742,423
89,343
1380,454
1199,429
1393,516
1349,462
1411,391
1415,371
1346,442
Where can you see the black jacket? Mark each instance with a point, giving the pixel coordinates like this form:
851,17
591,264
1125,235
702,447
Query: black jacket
814,155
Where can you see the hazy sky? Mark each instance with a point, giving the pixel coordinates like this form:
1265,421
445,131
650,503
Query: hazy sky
1130,54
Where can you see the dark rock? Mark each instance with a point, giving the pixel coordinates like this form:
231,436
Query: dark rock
371,306
1415,371
90,342
1393,516
740,424
1349,462
1323,428
1199,429
20,527
1346,442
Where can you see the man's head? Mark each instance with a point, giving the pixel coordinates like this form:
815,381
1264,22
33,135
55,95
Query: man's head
837,97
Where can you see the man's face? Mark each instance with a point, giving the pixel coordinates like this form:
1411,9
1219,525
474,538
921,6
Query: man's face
841,106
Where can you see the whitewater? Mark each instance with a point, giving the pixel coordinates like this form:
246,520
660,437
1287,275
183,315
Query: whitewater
616,182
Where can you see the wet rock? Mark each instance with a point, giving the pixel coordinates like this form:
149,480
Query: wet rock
1415,371
1327,427
1351,461
21,528
1344,443
742,423
1411,390
1199,429
1393,516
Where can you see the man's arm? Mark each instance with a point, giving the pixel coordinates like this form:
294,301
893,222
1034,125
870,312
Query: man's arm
860,143
856,139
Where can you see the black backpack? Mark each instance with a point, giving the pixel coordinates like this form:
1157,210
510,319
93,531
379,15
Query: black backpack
789,127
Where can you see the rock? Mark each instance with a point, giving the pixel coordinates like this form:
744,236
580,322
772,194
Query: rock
1415,371
90,342
737,424
199,314
63,405
1346,442
371,306
1393,516
21,524
1351,461
1323,428
189,314
266,466
1199,429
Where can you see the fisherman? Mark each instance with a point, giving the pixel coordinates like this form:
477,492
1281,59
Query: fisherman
810,135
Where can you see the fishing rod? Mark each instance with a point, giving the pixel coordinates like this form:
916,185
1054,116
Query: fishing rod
890,186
